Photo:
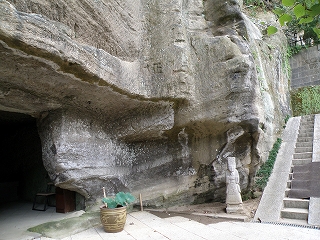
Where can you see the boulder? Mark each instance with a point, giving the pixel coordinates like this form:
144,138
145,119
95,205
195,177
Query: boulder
146,96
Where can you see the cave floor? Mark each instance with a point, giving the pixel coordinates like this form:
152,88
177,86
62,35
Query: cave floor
17,217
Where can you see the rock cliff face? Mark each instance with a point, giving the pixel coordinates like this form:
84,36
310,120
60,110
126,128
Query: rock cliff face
144,96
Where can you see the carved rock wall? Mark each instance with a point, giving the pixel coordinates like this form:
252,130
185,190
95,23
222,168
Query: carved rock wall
143,96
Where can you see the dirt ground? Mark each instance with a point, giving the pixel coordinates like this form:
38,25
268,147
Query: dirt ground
209,213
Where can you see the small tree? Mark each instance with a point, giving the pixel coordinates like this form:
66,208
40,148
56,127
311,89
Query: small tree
302,13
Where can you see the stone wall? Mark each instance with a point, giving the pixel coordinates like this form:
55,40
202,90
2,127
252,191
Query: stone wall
305,67
144,96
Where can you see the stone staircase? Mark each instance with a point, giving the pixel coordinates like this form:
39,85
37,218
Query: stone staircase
297,210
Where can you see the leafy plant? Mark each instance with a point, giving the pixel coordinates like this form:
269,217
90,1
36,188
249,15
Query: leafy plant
119,200
286,119
305,100
265,170
255,6
302,13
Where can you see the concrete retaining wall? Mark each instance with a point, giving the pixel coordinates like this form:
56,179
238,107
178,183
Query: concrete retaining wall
306,67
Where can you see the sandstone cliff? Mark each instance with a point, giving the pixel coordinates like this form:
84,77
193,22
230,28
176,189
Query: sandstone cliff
144,96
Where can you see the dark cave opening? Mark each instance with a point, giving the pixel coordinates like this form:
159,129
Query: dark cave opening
22,173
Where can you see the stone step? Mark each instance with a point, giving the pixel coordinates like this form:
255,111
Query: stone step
302,155
295,203
301,184
306,123
305,139
304,144
293,221
306,130
301,161
305,134
286,193
307,118
295,213
289,183
303,149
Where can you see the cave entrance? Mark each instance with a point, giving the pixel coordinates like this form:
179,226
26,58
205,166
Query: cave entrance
22,173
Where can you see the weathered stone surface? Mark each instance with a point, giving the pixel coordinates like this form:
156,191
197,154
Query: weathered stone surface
143,96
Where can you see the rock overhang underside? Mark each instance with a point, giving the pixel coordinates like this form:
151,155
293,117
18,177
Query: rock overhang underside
153,105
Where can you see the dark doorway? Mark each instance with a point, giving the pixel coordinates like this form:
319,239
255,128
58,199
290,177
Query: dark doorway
22,173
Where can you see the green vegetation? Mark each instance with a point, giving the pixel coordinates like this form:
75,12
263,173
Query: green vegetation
253,6
61,229
286,62
305,101
121,199
265,170
295,49
298,16
286,119
302,14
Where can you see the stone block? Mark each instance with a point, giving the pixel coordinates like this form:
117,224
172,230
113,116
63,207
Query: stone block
314,209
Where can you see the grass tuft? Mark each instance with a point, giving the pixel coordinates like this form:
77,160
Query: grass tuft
263,174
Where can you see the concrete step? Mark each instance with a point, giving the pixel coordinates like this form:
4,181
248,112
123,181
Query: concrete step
305,134
307,118
306,130
302,155
289,183
295,213
301,161
286,193
305,139
306,126
303,149
295,203
293,221
301,184
304,144
306,122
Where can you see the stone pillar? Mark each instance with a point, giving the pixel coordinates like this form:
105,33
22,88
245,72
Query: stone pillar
233,199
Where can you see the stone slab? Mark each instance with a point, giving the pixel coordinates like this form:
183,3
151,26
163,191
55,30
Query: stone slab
316,139
207,231
270,205
231,217
164,227
314,211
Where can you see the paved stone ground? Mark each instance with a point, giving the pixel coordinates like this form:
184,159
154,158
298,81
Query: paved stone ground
205,221
143,225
